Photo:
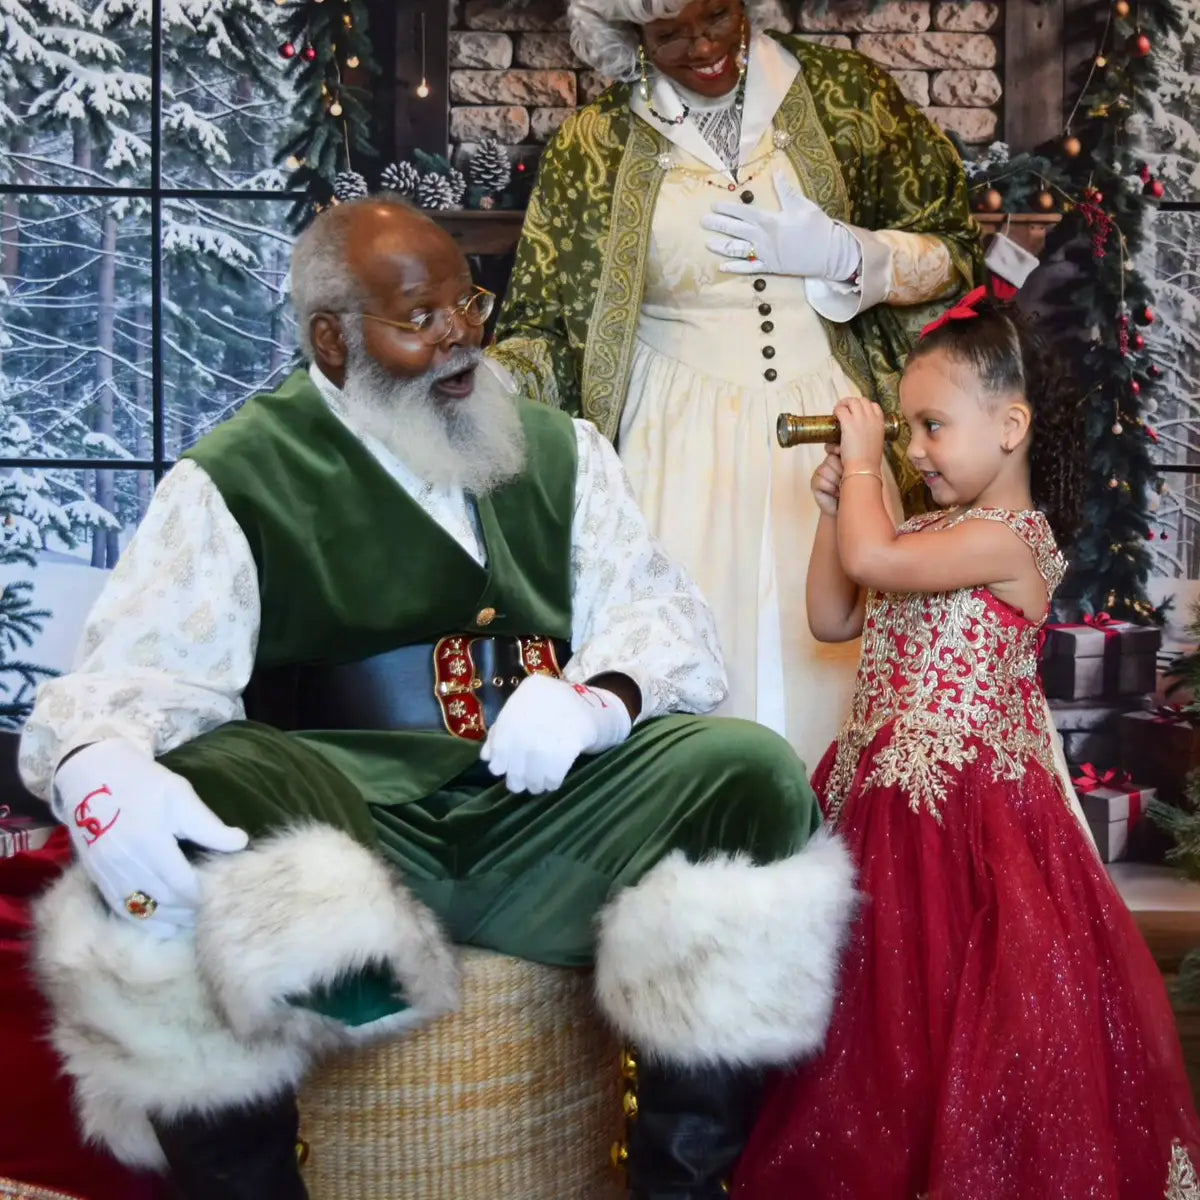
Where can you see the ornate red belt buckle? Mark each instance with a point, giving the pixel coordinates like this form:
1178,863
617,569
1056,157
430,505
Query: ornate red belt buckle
456,687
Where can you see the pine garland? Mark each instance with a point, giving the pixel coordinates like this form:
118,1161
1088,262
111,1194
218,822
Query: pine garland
327,44
1104,192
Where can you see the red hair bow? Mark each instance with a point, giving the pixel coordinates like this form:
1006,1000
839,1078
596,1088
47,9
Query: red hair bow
965,309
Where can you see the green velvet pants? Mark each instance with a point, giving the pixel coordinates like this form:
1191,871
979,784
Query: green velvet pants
522,874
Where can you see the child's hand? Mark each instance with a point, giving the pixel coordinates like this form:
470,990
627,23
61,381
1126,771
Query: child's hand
861,424
827,481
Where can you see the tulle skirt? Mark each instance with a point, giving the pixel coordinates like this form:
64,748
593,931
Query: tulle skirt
1002,1031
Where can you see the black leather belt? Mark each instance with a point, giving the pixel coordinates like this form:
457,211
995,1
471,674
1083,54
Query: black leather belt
458,685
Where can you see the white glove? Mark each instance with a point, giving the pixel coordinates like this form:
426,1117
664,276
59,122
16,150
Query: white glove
124,812
546,724
798,240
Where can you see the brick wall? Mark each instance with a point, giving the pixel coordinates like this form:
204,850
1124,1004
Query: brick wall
513,76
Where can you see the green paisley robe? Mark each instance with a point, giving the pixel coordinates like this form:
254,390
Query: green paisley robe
861,151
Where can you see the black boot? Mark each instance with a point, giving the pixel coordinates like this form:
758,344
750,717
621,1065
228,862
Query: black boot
247,1153
687,1128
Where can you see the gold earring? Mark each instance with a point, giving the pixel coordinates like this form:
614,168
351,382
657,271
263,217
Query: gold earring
645,80
743,58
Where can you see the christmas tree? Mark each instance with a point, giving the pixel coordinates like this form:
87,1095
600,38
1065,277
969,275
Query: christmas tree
1097,177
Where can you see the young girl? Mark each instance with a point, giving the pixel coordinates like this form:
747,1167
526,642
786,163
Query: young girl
1002,1032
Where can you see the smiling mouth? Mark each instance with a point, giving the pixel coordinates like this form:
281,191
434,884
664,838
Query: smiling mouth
712,70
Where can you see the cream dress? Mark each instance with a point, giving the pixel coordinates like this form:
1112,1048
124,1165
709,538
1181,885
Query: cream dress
697,433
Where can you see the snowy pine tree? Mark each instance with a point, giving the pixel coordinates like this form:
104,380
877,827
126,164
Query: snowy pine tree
1169,135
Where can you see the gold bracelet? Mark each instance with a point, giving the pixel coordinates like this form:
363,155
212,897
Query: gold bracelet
873,474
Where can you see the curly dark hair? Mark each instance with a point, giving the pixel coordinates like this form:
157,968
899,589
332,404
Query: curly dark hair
1008,354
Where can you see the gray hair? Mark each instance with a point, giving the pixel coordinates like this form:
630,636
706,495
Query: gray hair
321,280
604,32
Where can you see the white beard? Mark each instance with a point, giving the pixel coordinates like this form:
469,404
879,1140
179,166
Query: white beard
476,443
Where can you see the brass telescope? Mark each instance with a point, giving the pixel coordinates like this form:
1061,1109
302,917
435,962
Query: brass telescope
792,430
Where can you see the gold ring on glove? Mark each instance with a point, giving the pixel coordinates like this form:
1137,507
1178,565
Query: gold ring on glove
750,255
138,904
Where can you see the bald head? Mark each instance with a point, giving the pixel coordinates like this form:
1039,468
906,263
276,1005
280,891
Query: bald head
357,256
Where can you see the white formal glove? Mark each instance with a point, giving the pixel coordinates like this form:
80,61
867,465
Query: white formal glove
124,812
545,725
798,240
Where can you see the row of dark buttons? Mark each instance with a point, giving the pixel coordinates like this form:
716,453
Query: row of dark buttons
764,310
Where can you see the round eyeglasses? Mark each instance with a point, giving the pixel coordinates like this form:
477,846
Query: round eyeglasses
433,325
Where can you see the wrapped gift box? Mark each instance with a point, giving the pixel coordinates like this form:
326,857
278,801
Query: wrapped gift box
1113,807
1089,728
1099,658
18,834
1161,746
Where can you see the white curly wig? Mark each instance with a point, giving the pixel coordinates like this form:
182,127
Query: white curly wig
604,34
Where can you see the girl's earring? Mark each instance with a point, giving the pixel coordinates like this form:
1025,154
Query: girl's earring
743,57
645,85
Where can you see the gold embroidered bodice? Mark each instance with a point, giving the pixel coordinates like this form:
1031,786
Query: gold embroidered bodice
954,676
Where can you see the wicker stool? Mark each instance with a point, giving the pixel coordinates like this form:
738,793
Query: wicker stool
517,1094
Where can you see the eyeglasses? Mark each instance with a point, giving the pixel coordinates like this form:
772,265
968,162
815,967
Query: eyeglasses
675,48
433,325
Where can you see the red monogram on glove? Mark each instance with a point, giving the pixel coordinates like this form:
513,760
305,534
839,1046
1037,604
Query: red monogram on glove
94,827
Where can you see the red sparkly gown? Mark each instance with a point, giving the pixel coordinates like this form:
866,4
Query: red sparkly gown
1002,1032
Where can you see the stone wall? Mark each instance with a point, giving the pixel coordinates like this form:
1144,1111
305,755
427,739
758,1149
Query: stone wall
513,76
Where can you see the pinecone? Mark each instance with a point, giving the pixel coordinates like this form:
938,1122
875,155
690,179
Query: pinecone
490,169
349,185
400,177
458,184
435,191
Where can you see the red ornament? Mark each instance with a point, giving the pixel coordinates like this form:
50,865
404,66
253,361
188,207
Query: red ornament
521,167
1144,172
1163,535
1139,46
1155,372
1147,316
1139,342
310,53
1155,188
287,50
1149,535
1135,387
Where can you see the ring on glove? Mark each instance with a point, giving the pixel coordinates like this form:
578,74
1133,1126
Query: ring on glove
138,904
750,255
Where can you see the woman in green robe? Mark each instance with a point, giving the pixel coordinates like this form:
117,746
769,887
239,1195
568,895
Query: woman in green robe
742,225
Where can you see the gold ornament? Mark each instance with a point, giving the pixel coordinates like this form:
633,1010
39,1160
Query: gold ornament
347,20
1101,62
619,1154
629,1066
629,1104
1045,201
335,109
352,61
992,201
1121,8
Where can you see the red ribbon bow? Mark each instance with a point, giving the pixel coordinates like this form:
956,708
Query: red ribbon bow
1100,620
1090,780
964,310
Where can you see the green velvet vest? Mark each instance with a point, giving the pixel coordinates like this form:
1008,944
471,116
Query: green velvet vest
349,565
